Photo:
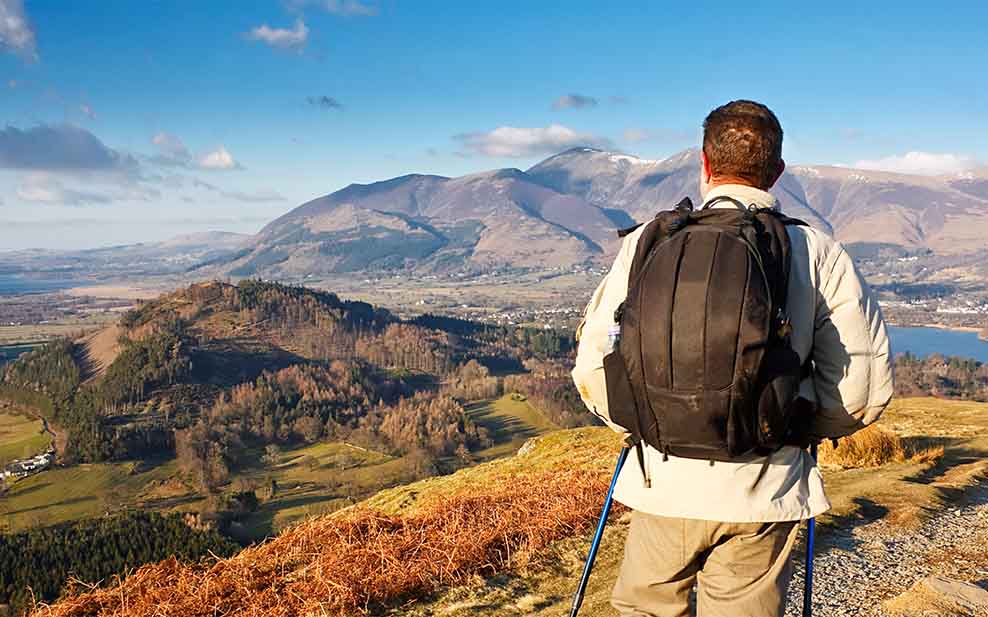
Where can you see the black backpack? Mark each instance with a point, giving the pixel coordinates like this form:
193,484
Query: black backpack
703,367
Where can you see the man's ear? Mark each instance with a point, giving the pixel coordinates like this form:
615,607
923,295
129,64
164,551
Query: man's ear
704,167
778,173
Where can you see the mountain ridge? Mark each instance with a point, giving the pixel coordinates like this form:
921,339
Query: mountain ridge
563,211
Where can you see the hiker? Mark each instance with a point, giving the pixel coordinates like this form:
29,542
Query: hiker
719,423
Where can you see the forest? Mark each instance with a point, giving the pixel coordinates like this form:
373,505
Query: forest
213,370
41,560
941,376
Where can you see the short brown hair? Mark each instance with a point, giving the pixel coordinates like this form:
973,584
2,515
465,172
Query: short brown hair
743,139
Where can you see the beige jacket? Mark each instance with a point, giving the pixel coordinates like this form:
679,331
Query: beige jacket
834,316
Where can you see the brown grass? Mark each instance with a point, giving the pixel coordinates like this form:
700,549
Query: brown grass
361,558
875,446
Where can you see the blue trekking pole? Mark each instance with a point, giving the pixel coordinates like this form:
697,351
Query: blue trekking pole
810,538
595,545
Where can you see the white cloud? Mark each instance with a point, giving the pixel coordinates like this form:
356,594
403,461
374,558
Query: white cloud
172,152
218,159
517,142
281,37
16,33
921,163
574,101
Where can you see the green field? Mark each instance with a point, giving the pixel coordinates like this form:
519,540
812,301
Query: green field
21,437
511,421
320,479
311,480
80,491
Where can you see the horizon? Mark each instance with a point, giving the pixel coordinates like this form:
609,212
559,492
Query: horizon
142,124
262,222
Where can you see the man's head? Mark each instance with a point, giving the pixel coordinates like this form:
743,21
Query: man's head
742,144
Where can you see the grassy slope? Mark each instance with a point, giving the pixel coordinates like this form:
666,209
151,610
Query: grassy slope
82,491
510,422
902,492
343,475
21,436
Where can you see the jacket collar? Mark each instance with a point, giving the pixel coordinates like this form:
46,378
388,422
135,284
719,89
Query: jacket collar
748,195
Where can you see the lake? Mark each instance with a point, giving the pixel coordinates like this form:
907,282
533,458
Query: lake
925,341
10,285
12,352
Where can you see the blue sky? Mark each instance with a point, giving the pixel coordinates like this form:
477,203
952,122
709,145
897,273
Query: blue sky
131,121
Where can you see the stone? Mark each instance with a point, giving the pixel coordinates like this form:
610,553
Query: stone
938,596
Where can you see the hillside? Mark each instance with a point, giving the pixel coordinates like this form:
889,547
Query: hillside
511,534
287,363
250,407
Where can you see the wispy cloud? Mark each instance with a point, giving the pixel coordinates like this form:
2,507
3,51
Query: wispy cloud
325,102
16,32
638,135
283,38
348,8
47,189
172,147
921,163
260,196
172,152
574,101
59,147
87,111
518,142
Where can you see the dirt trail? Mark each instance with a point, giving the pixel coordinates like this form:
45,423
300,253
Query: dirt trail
858,567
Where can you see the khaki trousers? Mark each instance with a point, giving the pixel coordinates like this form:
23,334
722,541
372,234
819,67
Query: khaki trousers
741,569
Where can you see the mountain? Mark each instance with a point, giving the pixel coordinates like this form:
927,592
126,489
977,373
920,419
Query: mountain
483,220
948,214
564,210
638,188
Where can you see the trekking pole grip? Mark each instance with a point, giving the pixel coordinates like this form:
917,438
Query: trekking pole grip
595,545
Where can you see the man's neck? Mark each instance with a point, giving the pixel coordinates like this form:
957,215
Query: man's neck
722,180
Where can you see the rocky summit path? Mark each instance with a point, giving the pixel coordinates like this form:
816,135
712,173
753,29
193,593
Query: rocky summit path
859,567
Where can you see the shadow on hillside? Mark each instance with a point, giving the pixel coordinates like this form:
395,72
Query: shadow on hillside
260,524
503,428
232,361
27,491
64,502
88,365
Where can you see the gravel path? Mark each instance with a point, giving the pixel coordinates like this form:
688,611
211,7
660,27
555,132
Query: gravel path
859,567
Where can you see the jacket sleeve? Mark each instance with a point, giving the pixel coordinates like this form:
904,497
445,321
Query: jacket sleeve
598,316
851,357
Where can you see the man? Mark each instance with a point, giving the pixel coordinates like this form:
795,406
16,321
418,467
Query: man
730,527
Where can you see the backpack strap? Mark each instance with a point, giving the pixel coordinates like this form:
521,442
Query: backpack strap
740,206
685,205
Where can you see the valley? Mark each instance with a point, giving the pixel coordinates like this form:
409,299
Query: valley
186,385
